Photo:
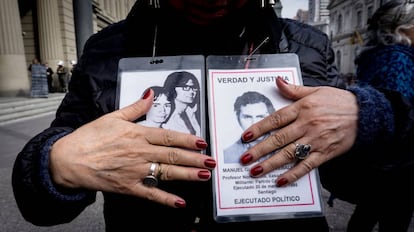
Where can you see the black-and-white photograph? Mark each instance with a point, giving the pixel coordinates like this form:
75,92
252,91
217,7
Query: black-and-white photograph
176,103
239,98
234,93
249,108
160,110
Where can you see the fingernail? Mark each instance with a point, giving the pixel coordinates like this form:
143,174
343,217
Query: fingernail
146,94
247,136
204,175
281,182
201,144
245,159
210,163
256,170
180,204
284,81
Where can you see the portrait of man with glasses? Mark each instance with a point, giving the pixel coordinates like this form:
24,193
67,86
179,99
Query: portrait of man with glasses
184,93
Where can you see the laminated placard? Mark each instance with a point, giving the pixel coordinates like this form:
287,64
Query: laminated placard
178,83
241,90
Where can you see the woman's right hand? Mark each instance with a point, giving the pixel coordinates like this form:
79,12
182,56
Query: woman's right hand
114,154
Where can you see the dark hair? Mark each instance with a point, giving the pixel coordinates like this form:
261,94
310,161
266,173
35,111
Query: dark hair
180,79
384,25
252,97
158,91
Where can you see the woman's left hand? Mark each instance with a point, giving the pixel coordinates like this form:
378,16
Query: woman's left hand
324,117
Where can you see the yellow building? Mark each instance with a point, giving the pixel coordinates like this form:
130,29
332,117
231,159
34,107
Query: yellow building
50,30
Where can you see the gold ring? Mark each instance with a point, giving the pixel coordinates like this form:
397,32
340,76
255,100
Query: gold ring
159,174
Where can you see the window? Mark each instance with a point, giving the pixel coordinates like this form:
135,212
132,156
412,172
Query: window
339,26
370,11
338,60
359,19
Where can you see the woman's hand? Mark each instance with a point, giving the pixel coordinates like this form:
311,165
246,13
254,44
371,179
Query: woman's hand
113,154
324,117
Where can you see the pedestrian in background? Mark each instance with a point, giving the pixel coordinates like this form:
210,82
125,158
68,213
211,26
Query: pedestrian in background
38,79
49,74
378,179
63,76
34,61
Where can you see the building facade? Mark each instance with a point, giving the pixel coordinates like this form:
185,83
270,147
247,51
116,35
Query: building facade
348,23
318,14
45,29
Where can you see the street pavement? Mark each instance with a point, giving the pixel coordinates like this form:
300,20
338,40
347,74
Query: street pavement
12,139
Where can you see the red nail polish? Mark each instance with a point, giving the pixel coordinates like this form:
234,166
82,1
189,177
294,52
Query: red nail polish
246,158
283,80
201,144
210,163
180,204
281,182
205,175
146,93
247,136
256,170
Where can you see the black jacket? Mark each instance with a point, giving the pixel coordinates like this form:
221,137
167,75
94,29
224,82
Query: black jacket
92,93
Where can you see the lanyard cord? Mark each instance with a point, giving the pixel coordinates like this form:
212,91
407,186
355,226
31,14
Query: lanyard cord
251,52
247,59
154,46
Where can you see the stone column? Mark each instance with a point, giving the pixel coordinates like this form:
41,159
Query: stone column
82,13
50,33
13,71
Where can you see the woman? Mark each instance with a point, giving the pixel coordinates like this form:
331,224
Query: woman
92,146
386,63
160,109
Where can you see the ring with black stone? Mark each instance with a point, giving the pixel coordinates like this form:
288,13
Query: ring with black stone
150,180
302,151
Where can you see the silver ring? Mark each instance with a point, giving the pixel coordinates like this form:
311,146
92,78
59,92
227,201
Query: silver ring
150,180
302,151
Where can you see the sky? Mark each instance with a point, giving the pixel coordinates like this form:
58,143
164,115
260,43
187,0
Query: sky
290,7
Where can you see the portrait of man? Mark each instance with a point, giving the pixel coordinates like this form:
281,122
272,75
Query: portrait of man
249,108
160,110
